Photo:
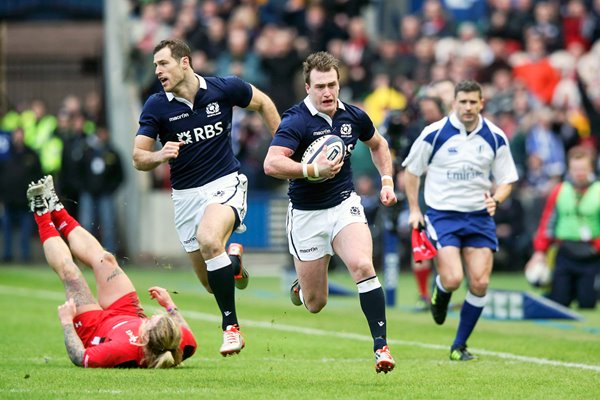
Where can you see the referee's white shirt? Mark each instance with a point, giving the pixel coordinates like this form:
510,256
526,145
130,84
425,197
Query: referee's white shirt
460,166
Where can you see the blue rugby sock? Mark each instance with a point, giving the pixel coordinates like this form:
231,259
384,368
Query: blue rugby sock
469,315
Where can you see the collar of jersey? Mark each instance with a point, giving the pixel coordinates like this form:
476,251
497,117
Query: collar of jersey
459,125
313,110
201,80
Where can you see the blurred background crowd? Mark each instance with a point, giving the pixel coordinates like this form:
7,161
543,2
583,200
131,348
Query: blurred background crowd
538,61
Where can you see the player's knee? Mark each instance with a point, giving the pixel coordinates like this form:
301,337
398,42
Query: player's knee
315,307
108,260
315,304
479,286
210,247
452,282
362,269
69,271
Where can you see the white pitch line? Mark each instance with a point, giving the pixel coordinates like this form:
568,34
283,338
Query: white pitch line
47,295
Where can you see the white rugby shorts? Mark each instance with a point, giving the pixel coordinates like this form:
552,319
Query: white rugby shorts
311,232
190,204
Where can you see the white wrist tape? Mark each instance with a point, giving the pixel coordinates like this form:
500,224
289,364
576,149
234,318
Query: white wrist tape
305,170
316,169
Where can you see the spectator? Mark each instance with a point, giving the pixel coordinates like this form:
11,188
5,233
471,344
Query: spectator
239,59
543,142
436,22
534,68
390,63
383,99
70,177
21,166
317,30
279,61
410,32
102,175
358,57
571,219
546,24
513,241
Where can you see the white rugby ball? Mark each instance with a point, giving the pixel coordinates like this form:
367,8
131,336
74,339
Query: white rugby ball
335,147
538,274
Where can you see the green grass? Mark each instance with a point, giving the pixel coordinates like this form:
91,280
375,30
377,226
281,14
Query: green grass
292,354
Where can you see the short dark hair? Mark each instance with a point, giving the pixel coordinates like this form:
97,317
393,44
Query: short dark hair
322,62
580,152
468,86
434,99
179,49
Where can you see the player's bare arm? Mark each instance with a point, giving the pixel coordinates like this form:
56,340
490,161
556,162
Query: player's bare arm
264,105
162,296
412,183
492,202
146,159
278,164
75,349
380,153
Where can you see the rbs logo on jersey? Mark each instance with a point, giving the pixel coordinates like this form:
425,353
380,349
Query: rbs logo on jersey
201,133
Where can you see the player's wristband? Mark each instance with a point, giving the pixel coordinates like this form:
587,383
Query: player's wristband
386,178
172,309
305,170
315,170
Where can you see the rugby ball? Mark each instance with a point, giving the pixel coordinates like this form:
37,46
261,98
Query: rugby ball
335,147
538,274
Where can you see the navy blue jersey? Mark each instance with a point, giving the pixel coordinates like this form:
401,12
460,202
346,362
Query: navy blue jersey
205,128
300,126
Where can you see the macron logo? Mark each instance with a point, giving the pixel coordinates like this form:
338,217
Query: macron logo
308,250
180,116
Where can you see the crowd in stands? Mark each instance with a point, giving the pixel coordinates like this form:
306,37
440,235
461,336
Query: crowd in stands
73,146
537,61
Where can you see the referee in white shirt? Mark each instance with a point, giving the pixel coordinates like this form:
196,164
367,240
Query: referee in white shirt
461,154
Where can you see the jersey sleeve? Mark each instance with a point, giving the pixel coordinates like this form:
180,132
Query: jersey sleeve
288,134
149,124
188,343
504,169
367,129
111,354
239,92
418,158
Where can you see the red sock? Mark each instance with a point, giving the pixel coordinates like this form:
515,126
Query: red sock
46,228
64,222
422,276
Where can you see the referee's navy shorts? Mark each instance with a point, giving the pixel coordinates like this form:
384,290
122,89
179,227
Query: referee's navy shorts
461,229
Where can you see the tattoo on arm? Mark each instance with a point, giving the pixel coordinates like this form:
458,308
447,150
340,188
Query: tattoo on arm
176,315
74,346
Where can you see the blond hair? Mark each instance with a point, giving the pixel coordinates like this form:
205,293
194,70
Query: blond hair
161,343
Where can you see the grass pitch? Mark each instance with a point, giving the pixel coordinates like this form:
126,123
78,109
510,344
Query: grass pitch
292,354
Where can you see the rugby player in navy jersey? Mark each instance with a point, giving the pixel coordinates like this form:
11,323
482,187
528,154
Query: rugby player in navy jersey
460,154
192,120
327,218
